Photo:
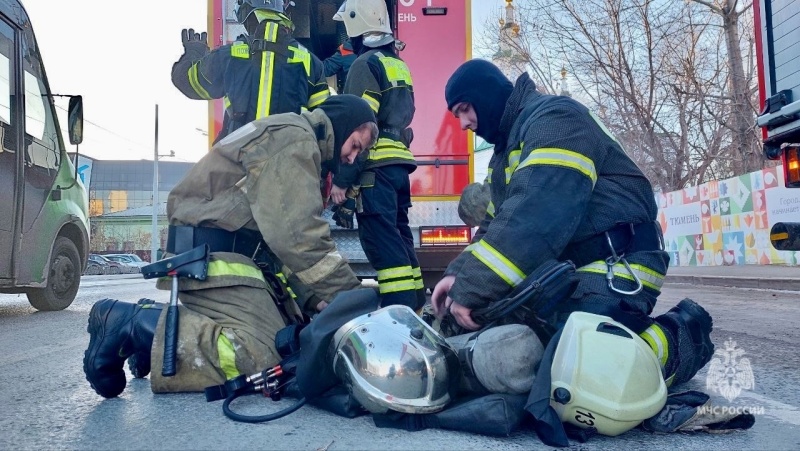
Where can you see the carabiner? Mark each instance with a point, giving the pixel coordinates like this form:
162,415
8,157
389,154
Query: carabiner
610,277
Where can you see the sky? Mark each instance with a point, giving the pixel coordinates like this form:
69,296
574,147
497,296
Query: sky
119,58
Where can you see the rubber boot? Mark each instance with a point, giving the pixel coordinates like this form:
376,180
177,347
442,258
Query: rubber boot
117,330
139,362
681,339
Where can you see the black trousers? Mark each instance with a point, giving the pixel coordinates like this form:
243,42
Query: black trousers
386,237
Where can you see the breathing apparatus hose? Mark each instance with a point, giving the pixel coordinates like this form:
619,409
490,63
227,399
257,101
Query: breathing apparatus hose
258,418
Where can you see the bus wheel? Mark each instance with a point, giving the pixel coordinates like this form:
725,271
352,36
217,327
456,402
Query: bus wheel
63,280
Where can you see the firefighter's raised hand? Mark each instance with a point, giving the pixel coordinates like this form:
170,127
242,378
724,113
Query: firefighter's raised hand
194,42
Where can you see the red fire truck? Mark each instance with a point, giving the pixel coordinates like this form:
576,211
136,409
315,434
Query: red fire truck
778,58
437,34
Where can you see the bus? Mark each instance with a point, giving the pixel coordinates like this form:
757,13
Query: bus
437,36
44,238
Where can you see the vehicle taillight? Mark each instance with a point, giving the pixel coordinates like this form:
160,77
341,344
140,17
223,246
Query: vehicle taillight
791,166
444,235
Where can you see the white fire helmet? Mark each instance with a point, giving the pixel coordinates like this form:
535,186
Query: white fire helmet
392,360
604,376
362,17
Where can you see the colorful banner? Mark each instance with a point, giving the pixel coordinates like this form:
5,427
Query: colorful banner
727,222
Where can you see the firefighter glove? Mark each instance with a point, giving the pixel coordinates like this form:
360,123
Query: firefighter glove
194,43
343,215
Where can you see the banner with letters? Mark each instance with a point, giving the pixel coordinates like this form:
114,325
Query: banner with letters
727,222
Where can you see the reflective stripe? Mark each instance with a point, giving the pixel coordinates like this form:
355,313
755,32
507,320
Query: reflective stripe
561,157
285,283
267,65
655,337
373,103
301,56
650,278
418,284
227,357
513,161
396,70
394,287
240,50
396,272
490,209
218,268
388,148
318,98
194,81
501,266
226,102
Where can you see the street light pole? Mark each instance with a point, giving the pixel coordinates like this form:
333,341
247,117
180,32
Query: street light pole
155,243
156,237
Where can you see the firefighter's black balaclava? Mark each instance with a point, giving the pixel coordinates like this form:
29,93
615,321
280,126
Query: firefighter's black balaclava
483,85
346,112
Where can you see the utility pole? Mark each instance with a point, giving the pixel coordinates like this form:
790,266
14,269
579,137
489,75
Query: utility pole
155,243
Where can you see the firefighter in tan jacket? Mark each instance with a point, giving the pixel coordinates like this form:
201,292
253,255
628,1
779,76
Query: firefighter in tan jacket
260,181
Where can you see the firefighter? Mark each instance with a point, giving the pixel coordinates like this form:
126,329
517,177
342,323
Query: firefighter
339,64
383,188
563,188
263,178
265,71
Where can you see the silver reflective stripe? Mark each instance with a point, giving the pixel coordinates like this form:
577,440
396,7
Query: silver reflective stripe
498,263
650,278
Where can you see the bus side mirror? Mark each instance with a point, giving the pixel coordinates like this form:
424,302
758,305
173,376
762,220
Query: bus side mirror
75,119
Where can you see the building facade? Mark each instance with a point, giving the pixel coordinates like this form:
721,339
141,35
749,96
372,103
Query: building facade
121,202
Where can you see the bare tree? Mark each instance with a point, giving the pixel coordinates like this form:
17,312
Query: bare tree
654,73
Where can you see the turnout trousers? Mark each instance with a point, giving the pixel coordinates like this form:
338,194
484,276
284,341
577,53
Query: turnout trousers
227,326
386,237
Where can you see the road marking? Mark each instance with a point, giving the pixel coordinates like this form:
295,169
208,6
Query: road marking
785,413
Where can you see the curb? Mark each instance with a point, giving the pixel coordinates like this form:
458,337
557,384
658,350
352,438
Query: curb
765,283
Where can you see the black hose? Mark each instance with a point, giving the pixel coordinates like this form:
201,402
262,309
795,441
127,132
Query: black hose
258,418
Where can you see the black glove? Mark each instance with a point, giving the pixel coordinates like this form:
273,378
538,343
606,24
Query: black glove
194,43
343,214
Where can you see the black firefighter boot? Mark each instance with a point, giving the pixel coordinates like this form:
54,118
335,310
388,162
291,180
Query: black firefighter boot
139,362
681,339
117,330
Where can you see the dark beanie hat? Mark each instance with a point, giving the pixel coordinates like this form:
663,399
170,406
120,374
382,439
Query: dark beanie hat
483,85
346,112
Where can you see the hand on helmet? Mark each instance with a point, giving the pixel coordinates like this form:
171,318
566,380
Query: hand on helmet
194,42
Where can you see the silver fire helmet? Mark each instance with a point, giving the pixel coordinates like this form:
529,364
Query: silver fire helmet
391,360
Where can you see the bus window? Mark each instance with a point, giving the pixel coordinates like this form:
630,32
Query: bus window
43,151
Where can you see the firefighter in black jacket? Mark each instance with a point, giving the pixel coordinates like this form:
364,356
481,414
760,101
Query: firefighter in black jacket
381,78
563,188
339,64
264,72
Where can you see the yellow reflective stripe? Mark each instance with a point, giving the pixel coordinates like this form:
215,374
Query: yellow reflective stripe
498,263
227,357
240,50
291,293
513,162
418,284
373,103
317,98
226,101
655,337
194,81
285,283
301,56
561,157
267,65
650,278
396,70
218,268
394,273
394,287
490,209
389,148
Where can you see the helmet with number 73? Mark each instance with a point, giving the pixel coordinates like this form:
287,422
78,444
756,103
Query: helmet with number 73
604,376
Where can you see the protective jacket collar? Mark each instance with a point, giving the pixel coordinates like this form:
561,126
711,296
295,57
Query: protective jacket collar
524,90
323,129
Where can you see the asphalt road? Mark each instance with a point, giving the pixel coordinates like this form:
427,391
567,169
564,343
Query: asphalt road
48,404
